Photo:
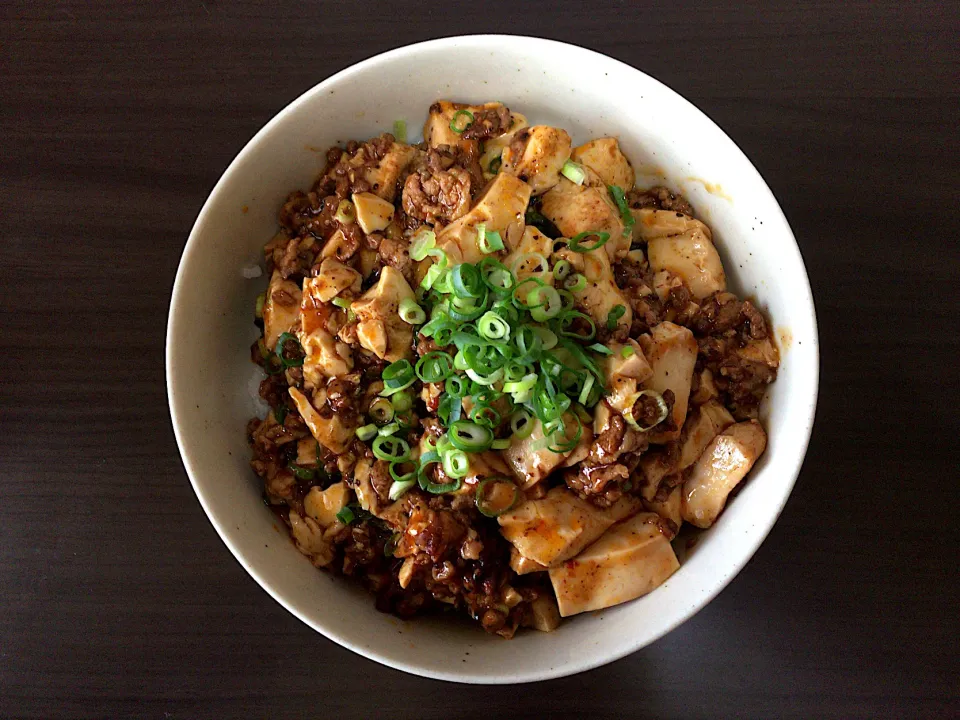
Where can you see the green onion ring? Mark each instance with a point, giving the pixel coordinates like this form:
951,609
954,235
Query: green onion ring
281,342
577,246
391,448
484,505
469,436
455,126
434,367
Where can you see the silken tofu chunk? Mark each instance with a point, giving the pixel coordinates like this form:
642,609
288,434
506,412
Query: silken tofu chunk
703,425
604,157
671,351
444,115
530,463
281,308
380,329
560,525
502,202
330,432
721,467
536,155
583,208
630,560
692,257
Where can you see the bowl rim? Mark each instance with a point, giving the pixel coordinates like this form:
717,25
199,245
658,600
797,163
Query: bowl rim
191,248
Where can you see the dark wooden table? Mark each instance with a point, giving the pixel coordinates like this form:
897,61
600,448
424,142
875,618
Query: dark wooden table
118,599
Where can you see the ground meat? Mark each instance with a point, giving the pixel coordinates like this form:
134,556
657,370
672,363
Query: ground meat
345,172
608,444
432,196
755,322
518,144
342,396
646,410
431,532
719,312
425,345
396,254
600,484
726,326
353,238
380,479
660,198
273,389
488,123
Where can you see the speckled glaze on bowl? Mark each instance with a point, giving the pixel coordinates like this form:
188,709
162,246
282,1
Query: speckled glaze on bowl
211,382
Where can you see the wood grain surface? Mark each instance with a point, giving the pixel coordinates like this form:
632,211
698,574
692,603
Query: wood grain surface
118,599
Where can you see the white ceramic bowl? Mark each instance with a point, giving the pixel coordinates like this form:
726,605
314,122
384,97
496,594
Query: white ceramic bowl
211,381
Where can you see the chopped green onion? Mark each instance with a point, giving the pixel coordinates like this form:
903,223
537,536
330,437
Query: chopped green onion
662,410
495,496
412,313
561,433
566,319
400,487
457,386
466,282
616,192
455,463
423,242
381,410
575,283
455,124
391,448
515,371
485,379
547,337
613,317
522,263
549,307
470,437
367,432
424,481
258,310
521,424
449,409
346,516
496,276
585,391
433,274
397,376
602,349
528,382
627,351
493,327
577,246
389,429
400,130
346,212
302,473
489,241
402,401
573,172
434,367
390,546
403,477
485,415
281,343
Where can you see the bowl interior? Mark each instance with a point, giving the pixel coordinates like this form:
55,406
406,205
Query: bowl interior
212,384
